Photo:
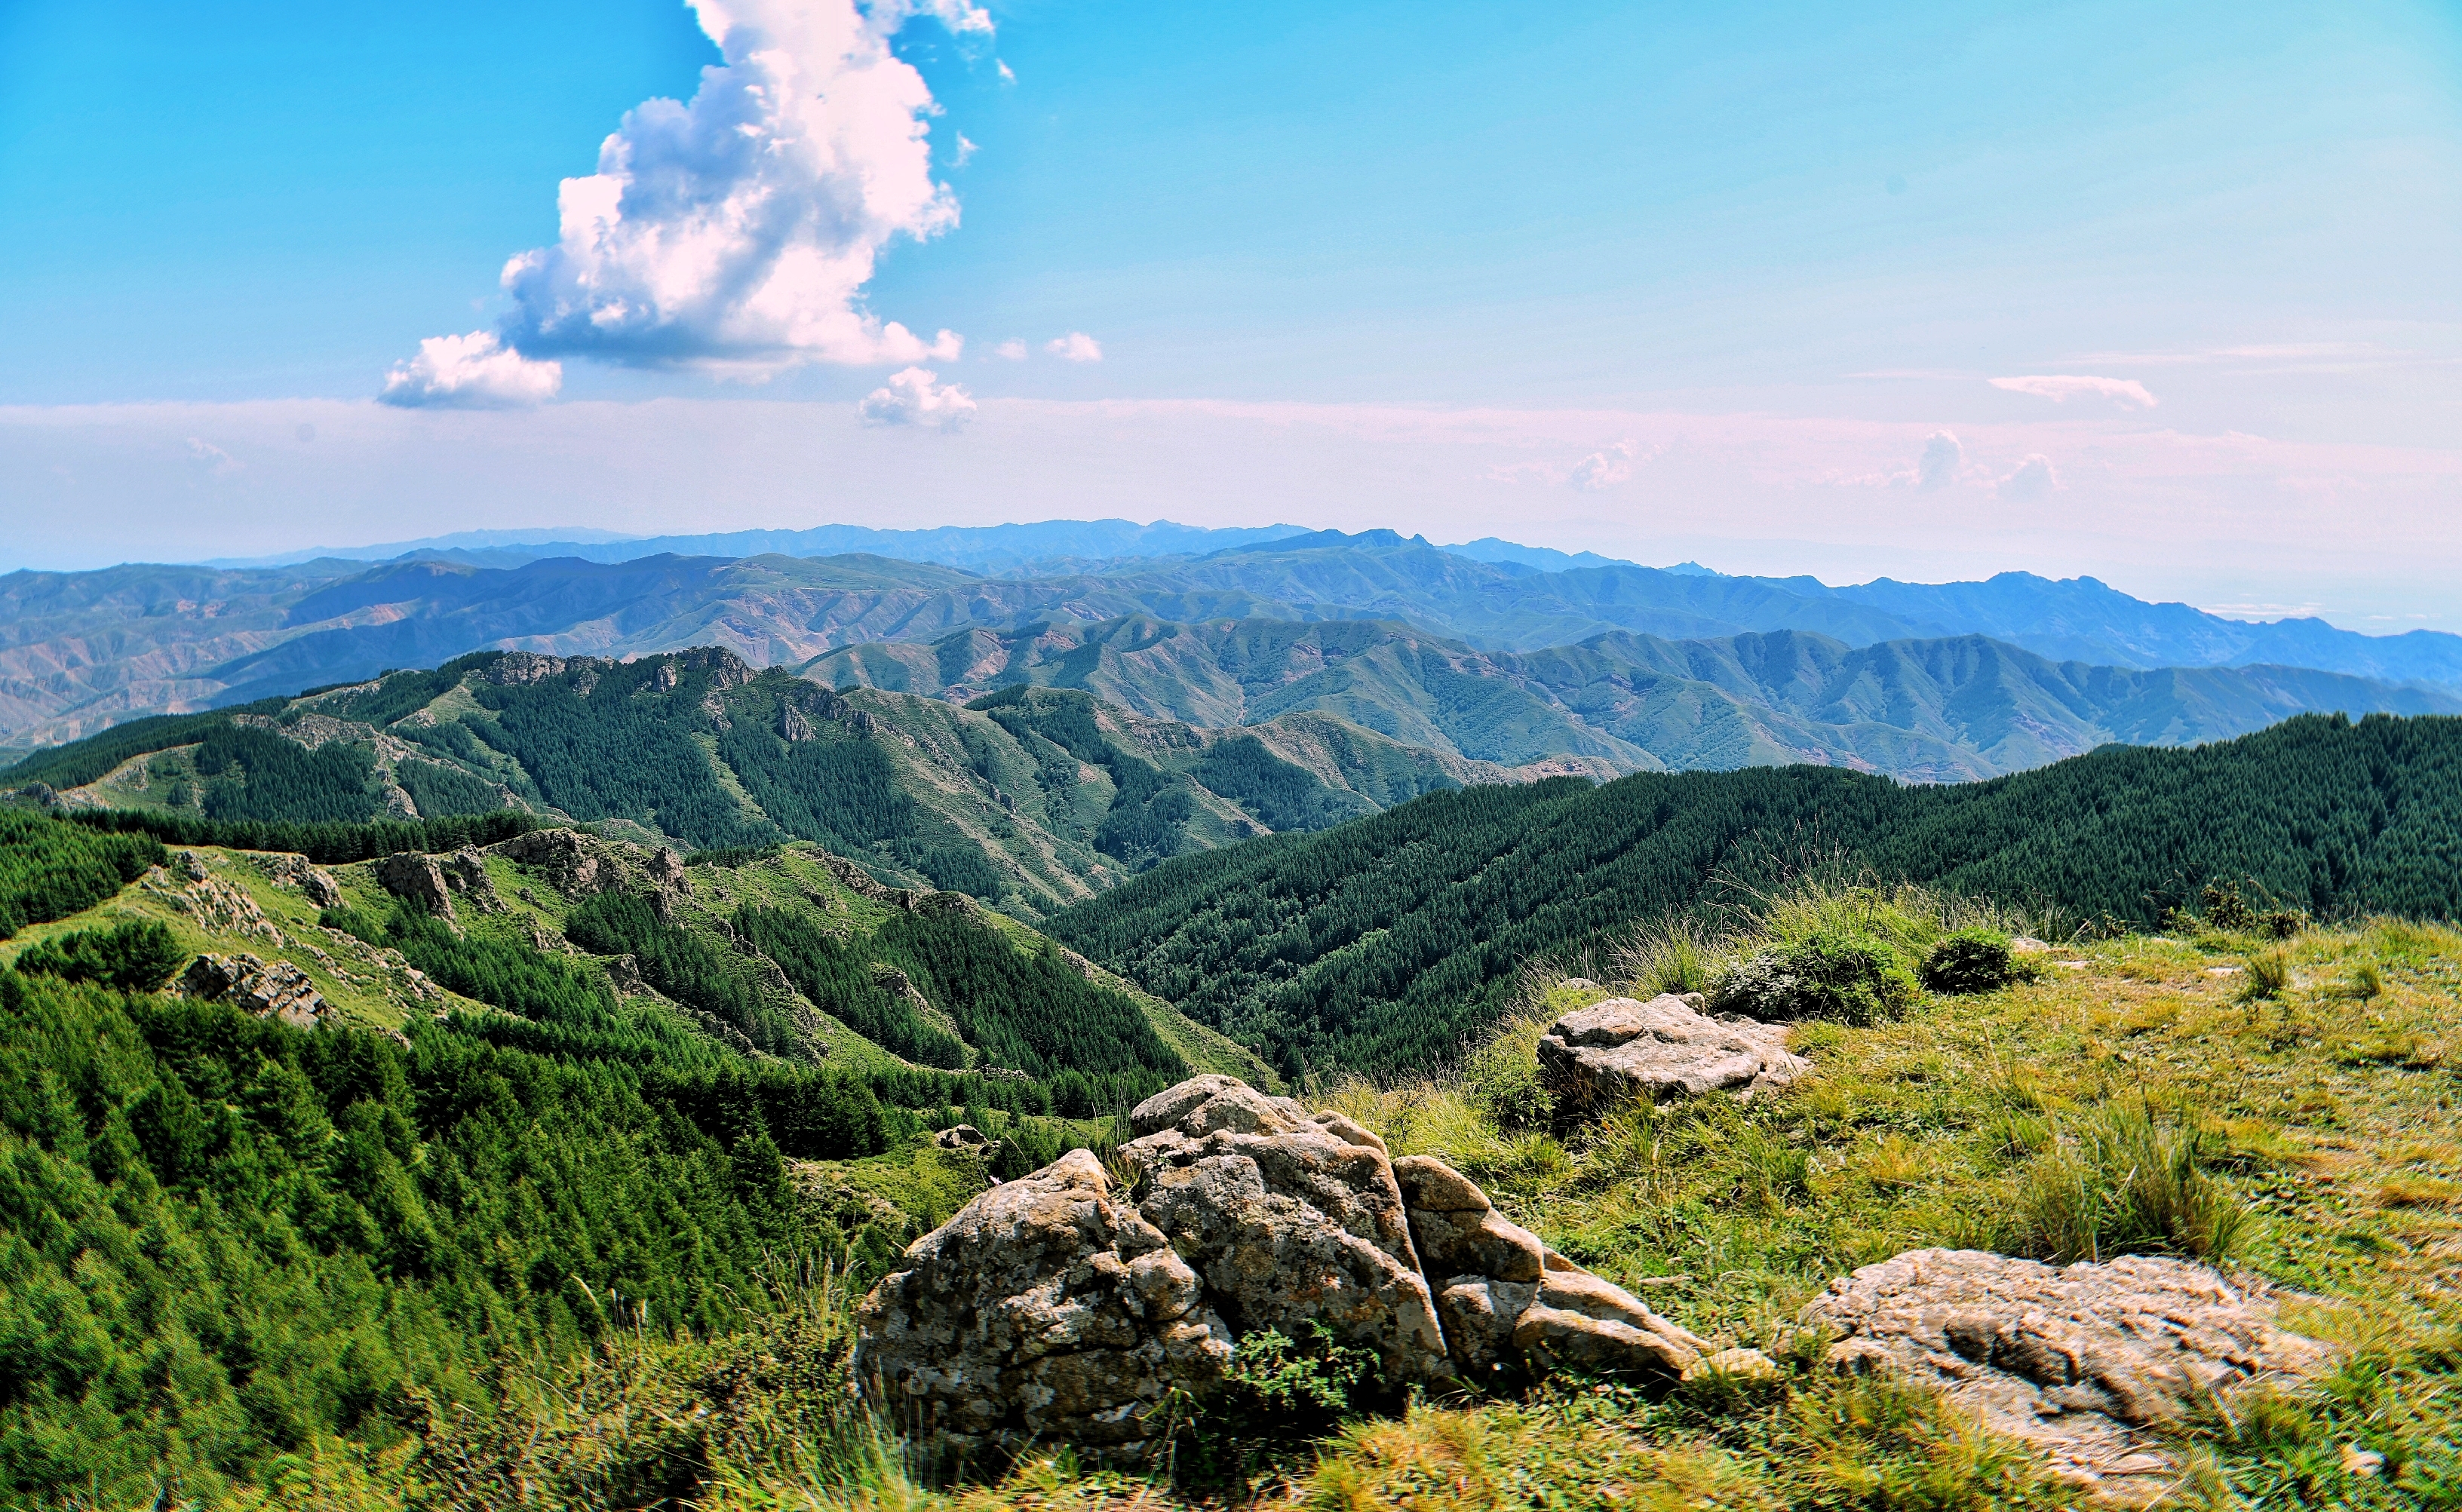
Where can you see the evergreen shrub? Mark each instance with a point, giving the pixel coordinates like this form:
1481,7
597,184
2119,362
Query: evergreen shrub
1852,979
1971,960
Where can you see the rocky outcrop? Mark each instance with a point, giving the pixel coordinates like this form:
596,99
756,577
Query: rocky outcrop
1280,1218
967,1136
2080,1360
278,990
575,865
418,879
1505,1298
1288,1221
1661,1050
314,882
465,872
1049,1309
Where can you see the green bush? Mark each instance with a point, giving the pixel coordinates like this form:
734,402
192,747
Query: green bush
1853,978
137,956
1970,961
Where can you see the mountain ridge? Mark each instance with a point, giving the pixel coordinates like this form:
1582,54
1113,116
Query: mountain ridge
81,651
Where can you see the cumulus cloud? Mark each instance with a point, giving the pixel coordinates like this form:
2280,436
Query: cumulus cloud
1013,350
916,396
212,458
1605,469
736,232
1942,458
2061,387
1076,347
2032,480
473,372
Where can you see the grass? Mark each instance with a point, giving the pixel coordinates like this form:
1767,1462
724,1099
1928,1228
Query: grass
2133,1104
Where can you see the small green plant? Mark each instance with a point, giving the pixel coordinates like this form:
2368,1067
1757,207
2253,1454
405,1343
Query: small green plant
2364,982
1853,978
2268,975
1971,960
2283,922
1670,958
138,956
2224,908
2120,1182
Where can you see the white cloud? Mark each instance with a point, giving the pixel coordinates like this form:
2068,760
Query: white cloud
2033,480
216,461
965,152
1605,469
2061,387
1942,458
1011,351
916,396
472,372
736,232
1076,347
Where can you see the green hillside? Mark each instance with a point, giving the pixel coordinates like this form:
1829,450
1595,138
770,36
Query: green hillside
1930,710
1385,941
1029,803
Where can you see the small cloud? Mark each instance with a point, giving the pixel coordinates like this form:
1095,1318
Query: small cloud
473,372
1010,351
2061,387
2033,480
1942,458
1008,76
1076,347
1605,469
216,461
916,396
965,150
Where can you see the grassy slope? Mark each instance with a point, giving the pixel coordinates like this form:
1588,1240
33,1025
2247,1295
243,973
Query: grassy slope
2331,1116
365,987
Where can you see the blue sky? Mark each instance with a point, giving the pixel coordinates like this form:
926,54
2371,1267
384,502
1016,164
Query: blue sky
1659,281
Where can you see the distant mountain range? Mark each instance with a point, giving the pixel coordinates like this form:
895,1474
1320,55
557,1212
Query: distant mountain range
1934,710
81,651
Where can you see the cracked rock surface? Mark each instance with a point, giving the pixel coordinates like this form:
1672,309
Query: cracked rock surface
1061,1308
1661,1050
2079,1360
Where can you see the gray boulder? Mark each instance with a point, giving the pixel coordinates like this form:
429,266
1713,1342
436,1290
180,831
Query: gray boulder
270,990
416,879
2081,1361
1504,1298
1047,1309
1287,1222
1660,1051
1277,1219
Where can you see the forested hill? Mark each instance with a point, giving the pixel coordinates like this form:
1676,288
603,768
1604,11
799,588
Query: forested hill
1026,800
1383,942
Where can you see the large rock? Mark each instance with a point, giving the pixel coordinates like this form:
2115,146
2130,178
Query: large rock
1290,1221
314,882
276,990
1662,1049
576,865
1504,1298
1047,1309
416,879
1280,1219
2080,1360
